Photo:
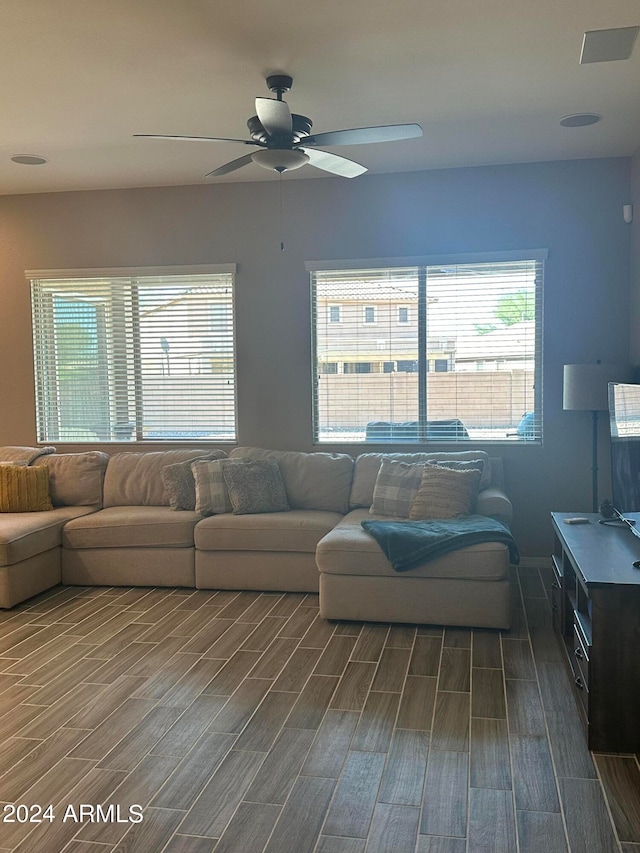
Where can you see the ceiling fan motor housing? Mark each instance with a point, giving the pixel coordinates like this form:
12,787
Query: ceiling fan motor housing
301,128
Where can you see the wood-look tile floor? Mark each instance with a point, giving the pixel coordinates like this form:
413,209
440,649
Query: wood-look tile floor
242,722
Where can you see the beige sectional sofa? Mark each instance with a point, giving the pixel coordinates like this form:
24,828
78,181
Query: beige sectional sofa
112,525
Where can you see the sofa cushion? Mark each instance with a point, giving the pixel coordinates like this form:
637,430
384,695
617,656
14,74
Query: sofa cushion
349,550
27,455
367,466
24,489
76,479
297,530
312,480
25,534
132,527
445,492
135,479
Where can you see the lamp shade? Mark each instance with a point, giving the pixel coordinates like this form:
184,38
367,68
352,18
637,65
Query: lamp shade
586,385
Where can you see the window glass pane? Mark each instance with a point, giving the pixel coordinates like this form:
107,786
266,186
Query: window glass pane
454,352
125,359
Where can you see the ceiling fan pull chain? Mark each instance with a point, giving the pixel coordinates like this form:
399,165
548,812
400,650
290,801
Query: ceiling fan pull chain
281,217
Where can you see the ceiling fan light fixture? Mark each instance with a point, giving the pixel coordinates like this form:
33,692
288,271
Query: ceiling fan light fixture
280,160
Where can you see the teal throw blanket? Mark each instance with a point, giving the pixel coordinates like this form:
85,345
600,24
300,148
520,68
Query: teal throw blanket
408,544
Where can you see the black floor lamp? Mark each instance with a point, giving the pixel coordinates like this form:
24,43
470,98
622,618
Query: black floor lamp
586,388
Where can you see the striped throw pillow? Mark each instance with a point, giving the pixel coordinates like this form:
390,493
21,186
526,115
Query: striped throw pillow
445,493
24,489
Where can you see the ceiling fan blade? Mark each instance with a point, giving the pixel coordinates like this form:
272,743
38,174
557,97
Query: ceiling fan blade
333,163
230,167
366,135
195,138
275,116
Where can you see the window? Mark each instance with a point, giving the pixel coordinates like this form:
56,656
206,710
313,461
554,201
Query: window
334,314
134,355
369,313
403,314
471,357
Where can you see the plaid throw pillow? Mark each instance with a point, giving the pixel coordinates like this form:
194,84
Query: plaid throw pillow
396,486
212,495
179,482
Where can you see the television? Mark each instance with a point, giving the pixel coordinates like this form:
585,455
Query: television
624,419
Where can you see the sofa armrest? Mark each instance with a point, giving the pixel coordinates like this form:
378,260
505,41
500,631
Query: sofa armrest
494,503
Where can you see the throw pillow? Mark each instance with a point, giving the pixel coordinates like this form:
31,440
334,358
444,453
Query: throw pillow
212,496
396,486
256,486
24,489
445,493
179,484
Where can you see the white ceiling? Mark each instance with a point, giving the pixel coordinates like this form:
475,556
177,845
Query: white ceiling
488,81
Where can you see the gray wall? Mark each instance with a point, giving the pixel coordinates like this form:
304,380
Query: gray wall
634,198
573,208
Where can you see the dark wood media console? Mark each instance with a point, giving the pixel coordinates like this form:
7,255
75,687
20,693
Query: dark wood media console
596,612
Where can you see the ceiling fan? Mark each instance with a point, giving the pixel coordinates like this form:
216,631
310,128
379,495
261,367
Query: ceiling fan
285,141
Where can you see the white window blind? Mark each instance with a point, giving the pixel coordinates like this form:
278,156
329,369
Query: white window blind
134,357
464,362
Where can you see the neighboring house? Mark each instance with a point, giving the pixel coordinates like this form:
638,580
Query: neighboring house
369,329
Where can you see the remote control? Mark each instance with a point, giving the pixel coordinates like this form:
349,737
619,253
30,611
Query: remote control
576,520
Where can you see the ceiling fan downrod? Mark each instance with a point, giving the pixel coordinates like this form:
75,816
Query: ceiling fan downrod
280,84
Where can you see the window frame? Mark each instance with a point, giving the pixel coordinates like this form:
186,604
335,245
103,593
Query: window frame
406,322
538,256
372,322
133,278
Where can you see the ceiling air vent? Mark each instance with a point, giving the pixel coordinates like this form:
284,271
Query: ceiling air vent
608,45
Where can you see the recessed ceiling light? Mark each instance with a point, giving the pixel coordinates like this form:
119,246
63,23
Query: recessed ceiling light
29,159
580,120
608,45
